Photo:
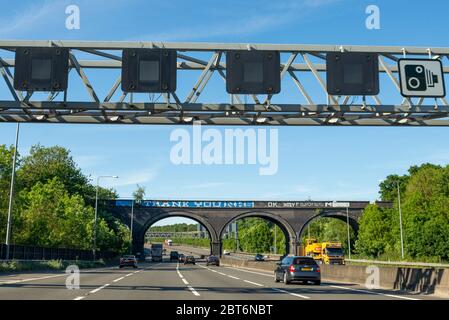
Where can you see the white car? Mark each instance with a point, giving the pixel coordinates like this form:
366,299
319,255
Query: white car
226,253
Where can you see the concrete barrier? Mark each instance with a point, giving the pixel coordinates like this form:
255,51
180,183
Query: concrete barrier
412,280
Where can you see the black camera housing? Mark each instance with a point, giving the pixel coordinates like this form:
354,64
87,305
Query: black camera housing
253,72
352,73
41,69
149,70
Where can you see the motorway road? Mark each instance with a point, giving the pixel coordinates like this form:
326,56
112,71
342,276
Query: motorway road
173,281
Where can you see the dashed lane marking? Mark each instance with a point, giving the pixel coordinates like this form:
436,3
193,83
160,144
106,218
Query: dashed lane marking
186,282
118,279
290,293
193,291
254,283
99,288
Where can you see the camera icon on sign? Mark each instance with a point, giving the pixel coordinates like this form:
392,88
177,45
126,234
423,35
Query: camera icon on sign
418,78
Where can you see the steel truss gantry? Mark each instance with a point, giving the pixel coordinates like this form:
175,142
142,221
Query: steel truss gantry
308,107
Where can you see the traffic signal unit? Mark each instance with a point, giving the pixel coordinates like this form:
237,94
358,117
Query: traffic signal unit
352,73
41,69
149,70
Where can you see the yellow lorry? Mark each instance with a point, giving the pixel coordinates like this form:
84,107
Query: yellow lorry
329,252
332,253
313,249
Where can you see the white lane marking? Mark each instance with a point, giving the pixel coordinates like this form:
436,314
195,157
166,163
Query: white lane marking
118,279
129,274
79,298
240,269
33,279
223,274
193,291
254,283
290,293
233,277
375,292
100,288
186,282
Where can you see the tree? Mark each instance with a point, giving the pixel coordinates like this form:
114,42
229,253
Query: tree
426,214
375,233
45,163
6,158
139,194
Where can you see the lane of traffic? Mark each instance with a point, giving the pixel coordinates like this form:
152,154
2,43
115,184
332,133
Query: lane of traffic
216,285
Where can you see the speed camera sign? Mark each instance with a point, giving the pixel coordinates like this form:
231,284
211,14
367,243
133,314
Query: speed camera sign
421,78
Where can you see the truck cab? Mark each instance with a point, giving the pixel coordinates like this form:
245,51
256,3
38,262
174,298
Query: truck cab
332,253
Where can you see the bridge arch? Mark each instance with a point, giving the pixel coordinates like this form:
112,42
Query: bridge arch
287,229
139,238
340,215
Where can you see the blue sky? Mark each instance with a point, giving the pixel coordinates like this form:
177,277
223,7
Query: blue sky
319,163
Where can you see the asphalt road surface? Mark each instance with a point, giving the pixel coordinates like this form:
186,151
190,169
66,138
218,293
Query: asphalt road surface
173,281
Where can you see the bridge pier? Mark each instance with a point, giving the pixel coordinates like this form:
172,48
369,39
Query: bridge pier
215,248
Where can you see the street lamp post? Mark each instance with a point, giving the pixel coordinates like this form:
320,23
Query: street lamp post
349,236
131,228
11,194
400,221
96,213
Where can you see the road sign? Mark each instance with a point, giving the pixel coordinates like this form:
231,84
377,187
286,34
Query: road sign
421,78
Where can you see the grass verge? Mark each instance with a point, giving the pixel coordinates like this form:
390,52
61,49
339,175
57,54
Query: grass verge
18,265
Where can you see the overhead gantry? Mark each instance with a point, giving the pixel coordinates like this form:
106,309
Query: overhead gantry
303,100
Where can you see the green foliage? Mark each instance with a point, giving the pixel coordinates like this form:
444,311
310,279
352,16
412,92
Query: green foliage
139,194
375,231
425,216
53,203
16,266
329,229
177,227
6,157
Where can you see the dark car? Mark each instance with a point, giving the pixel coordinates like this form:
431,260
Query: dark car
189,259
174,255
259,257
297,268
214,260
128,261
181,257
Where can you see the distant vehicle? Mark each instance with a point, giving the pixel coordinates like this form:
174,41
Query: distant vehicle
189,259
214,260
297,268
325,252
128,261
174,255
226,253
259,257
332,253
181,257
156,252
169,242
